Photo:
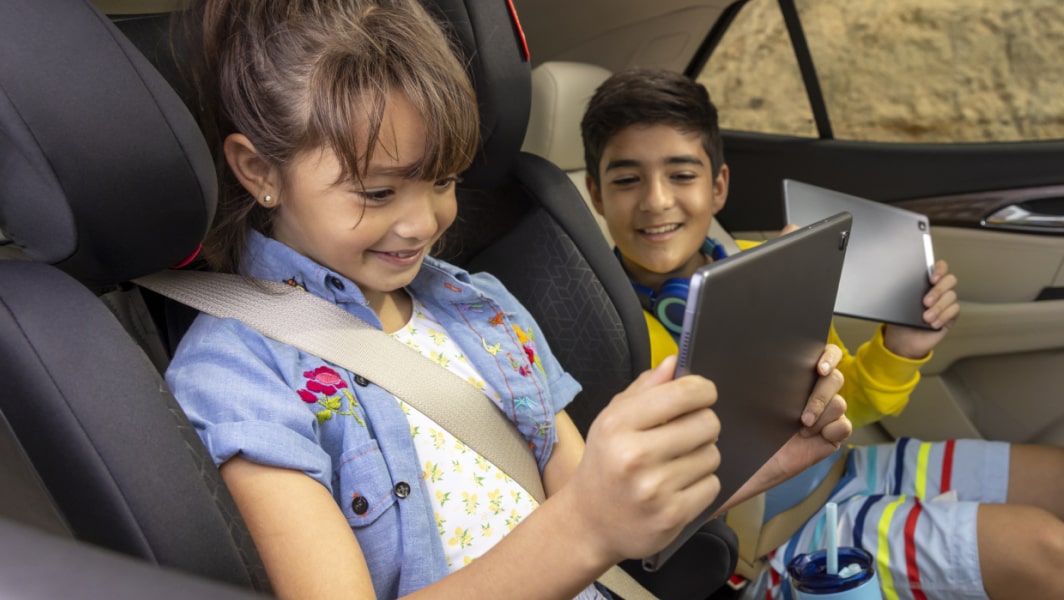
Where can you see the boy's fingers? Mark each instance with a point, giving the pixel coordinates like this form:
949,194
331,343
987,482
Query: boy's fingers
824,391
829,359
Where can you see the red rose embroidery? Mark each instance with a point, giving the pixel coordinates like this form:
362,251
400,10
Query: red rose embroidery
323,380
307,397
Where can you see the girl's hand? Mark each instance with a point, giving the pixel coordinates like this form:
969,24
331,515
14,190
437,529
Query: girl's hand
942,311
649,464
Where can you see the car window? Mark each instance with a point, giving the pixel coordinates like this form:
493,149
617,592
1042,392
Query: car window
905,71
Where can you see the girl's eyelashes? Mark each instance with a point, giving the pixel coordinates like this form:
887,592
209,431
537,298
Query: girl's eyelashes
447,182
379,195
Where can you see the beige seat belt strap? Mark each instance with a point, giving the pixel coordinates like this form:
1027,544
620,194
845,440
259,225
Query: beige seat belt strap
757,537
290,315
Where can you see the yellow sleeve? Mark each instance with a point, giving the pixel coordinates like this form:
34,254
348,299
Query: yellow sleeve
661,343
878,382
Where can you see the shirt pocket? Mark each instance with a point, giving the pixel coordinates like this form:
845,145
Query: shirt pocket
366,490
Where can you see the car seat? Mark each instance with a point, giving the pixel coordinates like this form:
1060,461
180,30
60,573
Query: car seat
107,178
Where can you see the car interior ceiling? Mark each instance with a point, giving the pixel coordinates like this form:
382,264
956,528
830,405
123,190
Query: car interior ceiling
108,178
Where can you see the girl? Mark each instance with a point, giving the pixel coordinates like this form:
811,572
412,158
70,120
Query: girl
343,125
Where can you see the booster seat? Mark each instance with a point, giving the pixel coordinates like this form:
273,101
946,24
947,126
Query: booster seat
107,178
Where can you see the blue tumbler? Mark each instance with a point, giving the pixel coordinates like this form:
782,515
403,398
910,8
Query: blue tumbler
855,580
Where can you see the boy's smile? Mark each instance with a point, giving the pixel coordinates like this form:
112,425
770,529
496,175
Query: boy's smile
658,196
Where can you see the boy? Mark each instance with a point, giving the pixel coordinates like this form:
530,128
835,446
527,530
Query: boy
656,173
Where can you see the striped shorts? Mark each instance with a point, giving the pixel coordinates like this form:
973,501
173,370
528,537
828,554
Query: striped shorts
912,505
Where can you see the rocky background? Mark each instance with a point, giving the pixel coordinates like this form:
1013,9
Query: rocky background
899,70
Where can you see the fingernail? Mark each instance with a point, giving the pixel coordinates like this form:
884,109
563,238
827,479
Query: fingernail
808,419
825,368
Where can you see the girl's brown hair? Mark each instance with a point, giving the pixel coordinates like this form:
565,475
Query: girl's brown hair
296,75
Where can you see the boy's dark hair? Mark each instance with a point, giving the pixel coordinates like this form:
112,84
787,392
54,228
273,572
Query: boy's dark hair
641,96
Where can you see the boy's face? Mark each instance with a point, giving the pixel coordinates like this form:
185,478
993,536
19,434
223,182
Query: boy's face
658,196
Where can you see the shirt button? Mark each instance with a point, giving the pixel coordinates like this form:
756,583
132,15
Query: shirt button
335,282
362,381
402,489
360,505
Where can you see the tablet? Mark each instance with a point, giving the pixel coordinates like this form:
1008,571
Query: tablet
890,259
755,324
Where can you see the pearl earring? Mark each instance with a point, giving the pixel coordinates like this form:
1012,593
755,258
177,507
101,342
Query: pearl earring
267,200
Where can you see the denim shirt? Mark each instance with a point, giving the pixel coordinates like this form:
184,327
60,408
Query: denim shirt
279,406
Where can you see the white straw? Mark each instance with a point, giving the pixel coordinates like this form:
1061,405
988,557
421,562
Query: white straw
832,526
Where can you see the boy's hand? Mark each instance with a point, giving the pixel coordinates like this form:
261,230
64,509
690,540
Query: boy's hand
824,428
942,311
824,406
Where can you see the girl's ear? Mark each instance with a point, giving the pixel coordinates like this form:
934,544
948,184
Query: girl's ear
251,170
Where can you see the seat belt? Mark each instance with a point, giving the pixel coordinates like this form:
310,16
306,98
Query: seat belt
757,537
303,320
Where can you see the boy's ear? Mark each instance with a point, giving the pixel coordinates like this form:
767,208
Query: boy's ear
720,189
255,174
595,193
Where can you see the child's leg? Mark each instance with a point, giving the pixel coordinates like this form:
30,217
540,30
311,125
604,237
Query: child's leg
1036,477
1021,551
1021,544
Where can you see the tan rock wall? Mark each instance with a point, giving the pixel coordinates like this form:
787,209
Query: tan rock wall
899,70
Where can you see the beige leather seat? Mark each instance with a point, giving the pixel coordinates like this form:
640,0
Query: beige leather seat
560,92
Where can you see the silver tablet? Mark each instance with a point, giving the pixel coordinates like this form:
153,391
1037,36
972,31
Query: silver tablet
890,259
755,324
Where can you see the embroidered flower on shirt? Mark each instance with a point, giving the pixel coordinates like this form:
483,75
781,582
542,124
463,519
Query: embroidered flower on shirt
323,380
322,386
529,346
496,320
294,283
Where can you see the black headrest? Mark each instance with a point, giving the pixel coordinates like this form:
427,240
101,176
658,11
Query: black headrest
103,171
495,50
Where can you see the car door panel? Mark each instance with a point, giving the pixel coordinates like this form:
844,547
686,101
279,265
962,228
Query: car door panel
996,374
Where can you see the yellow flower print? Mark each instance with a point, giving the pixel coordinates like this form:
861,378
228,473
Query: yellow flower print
440,358
440,522
471,503
517,495
482,463
495,502
478,480
513,519
456,466
437,438
443,497
438,337
432,472
485,530
462,538
460,447
480,384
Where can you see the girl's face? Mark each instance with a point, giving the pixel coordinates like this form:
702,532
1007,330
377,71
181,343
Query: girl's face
376,232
